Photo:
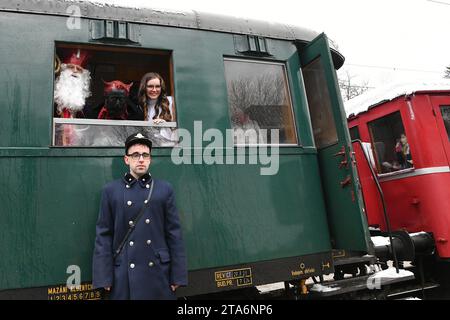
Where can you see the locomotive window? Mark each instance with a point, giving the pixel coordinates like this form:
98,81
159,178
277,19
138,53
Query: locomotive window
259,101
319,103
445,111
96,101
354,133
390,143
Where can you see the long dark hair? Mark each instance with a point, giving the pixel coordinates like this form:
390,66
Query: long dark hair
162,101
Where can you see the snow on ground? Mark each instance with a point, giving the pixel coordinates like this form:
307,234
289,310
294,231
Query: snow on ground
378,273
379,241
271,287
391,273
321,288
417,233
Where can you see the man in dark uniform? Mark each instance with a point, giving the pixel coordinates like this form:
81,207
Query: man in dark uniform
152,263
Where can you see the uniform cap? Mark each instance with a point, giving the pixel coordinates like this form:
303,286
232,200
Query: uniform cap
137,138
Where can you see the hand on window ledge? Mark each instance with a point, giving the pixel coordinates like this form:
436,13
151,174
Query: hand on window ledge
158,121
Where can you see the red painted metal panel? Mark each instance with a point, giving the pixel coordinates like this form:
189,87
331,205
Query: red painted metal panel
416,199
421,203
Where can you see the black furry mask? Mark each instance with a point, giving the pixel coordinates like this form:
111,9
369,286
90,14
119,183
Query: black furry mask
116,104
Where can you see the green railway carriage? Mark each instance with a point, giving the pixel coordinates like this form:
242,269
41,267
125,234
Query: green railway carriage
242,228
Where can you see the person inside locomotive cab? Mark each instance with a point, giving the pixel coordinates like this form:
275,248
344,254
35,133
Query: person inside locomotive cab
400,162
408,162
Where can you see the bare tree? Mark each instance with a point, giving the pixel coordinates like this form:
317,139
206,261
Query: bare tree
266,89
447,72
349,88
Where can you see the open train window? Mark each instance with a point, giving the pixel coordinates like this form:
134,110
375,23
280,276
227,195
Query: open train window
390,143
319,103
354,133
445,111
96,101
259,101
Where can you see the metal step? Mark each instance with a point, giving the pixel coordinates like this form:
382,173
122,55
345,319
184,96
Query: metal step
369,259
348,285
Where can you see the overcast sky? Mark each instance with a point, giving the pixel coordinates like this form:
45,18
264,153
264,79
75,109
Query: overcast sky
383,41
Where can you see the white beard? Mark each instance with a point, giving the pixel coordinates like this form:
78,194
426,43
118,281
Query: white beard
70,91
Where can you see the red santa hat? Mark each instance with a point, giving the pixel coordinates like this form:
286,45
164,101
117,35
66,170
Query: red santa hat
77,57
116,85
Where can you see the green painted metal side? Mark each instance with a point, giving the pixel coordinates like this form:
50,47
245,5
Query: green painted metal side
50,196
230,214
348,223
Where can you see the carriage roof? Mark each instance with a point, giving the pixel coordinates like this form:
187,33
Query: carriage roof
378,96
181,19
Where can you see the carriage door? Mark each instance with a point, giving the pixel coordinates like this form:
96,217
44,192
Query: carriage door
346,219
441,109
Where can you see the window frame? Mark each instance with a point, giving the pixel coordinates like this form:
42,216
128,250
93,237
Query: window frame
102,122
376,158
122,123
289,97
446,127
336,137
355,129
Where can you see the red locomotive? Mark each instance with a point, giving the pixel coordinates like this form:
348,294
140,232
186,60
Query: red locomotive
405,166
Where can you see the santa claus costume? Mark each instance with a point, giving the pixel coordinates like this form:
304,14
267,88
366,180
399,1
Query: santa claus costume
71,90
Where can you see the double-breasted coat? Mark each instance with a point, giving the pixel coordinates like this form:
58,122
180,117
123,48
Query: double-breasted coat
153,257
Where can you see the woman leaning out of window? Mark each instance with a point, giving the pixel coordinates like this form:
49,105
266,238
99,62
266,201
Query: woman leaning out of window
156,105
153,99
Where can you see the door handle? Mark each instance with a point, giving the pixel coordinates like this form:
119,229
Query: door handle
341,153
343,163
347,181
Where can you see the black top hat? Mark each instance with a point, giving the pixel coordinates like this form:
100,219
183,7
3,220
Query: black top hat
137,138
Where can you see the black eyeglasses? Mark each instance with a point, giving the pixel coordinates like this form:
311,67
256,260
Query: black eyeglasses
137,155
153,87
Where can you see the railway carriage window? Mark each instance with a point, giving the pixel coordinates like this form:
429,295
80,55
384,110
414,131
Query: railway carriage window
354,133
258,98
319,102
390,144
445,111
96,95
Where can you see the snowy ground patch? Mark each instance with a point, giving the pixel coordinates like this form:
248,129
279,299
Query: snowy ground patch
391,273
321,288
379,241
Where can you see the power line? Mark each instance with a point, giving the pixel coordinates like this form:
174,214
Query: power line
355,86
392,68
440,2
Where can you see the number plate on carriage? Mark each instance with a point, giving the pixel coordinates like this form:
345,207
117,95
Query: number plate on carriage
233,278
